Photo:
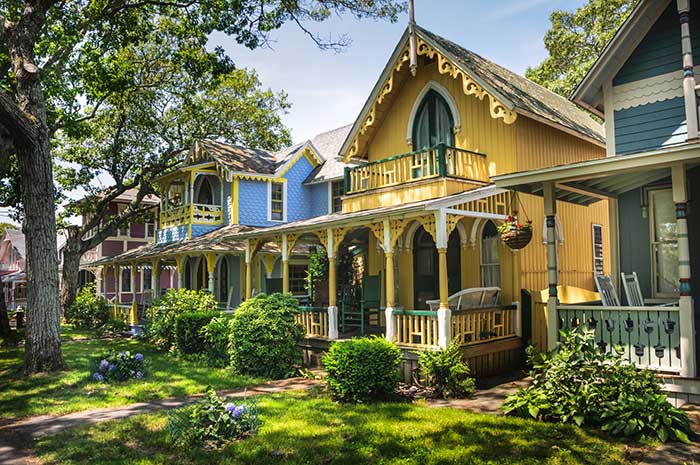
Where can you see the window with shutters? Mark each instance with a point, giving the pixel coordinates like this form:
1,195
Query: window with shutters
598,261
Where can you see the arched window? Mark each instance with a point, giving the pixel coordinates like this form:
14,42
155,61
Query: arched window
205,194
490,260
433,123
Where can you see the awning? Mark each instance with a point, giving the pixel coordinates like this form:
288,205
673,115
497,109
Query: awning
587,182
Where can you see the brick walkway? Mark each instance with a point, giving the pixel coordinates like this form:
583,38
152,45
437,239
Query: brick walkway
16,439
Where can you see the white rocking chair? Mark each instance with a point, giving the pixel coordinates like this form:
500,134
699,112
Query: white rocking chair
607,291
474,297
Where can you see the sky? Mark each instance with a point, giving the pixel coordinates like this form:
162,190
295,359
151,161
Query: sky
328,89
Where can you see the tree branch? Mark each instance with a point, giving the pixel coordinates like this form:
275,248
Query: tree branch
16,122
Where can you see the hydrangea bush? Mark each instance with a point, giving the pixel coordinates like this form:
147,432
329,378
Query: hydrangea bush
121,366
212,422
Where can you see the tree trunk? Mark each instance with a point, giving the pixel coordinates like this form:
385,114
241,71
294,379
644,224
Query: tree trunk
71,268
43,330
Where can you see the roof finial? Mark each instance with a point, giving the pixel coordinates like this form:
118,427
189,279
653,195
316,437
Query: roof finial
413,53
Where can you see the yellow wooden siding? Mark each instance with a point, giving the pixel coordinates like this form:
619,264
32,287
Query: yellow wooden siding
575,255
540,145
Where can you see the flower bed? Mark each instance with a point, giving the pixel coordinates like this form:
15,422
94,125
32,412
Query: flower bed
120,366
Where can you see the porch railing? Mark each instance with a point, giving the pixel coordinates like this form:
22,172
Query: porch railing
417,328
314,320
194,213
434,162
121,312
485,324
648,336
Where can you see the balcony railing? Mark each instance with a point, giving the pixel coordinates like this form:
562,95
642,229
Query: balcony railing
441,161
192,213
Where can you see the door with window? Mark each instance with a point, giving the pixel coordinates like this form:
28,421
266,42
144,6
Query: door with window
664,243
432,126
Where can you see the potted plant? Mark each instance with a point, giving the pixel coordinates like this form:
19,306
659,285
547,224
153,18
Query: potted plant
515,235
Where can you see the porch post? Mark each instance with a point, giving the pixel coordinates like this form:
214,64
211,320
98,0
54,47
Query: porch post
332,288
98,281
685,304
155,278
691,107
550,211
390,286
285,264
180,265
211,267
444,312
117,284
248,271
133,319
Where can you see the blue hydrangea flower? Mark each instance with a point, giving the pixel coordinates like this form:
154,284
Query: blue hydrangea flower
123,354
238,411
104,365
138,357
112,366
98,377
230,407
139,375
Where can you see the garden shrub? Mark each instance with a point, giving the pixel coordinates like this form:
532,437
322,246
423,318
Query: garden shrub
363,369
446,372
88,310
120,366
188,332
577,383
216,336
264,336
212,422
161,314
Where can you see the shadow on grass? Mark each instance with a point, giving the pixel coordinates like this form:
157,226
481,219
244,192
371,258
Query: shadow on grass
307,428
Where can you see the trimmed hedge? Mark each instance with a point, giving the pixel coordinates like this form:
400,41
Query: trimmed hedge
264,336
362,370
189,337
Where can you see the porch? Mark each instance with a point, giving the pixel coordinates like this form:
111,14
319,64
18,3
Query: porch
653,234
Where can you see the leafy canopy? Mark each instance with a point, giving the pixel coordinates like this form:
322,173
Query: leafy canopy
574,42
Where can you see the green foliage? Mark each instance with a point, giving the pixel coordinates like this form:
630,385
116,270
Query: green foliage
577,383
575,40
120,366
318,269
446,372
212,422
161,328
264,336
88,310
216,338
363,369
189,338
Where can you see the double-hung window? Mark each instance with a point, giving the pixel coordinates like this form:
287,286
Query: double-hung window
276,201
337,193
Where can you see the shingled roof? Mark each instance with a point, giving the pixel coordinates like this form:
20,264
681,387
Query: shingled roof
239,158
522,93
328,145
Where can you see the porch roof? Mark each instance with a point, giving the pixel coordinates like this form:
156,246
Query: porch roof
590,181
450,203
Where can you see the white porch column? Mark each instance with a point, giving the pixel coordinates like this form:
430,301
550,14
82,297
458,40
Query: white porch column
691,107
390,286
211,268
550,211
285,264
118,284
155,278
248,270
444,312
685,304
98,282
332,288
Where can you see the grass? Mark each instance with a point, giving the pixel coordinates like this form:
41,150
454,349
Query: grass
72,390
308,428
71,333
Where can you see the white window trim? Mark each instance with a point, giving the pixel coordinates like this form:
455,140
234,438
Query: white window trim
602,245
143,279
284,203
121,281
120,208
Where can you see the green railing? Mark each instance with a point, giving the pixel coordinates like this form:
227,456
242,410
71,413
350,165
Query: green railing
314,320
434,162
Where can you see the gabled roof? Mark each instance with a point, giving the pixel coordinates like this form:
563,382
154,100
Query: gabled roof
328,145
513,92
589,93
16,238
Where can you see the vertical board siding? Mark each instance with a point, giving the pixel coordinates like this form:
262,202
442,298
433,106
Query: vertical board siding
575,255
660,51
650,126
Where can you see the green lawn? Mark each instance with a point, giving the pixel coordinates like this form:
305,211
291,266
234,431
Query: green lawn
308,428
72,390
71,333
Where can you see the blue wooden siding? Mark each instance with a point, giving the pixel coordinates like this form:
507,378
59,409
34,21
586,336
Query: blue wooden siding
649,127
635,246
319,199
175,233
298,196
658,53
200,229
252,203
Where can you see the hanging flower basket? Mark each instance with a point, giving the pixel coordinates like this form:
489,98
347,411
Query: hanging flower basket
515,235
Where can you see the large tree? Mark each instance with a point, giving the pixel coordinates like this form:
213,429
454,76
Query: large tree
55,59
574,42
170,98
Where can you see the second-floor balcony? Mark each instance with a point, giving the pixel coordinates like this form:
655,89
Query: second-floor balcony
196,213
442,162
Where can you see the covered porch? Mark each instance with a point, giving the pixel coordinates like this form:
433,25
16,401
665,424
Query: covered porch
648,305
